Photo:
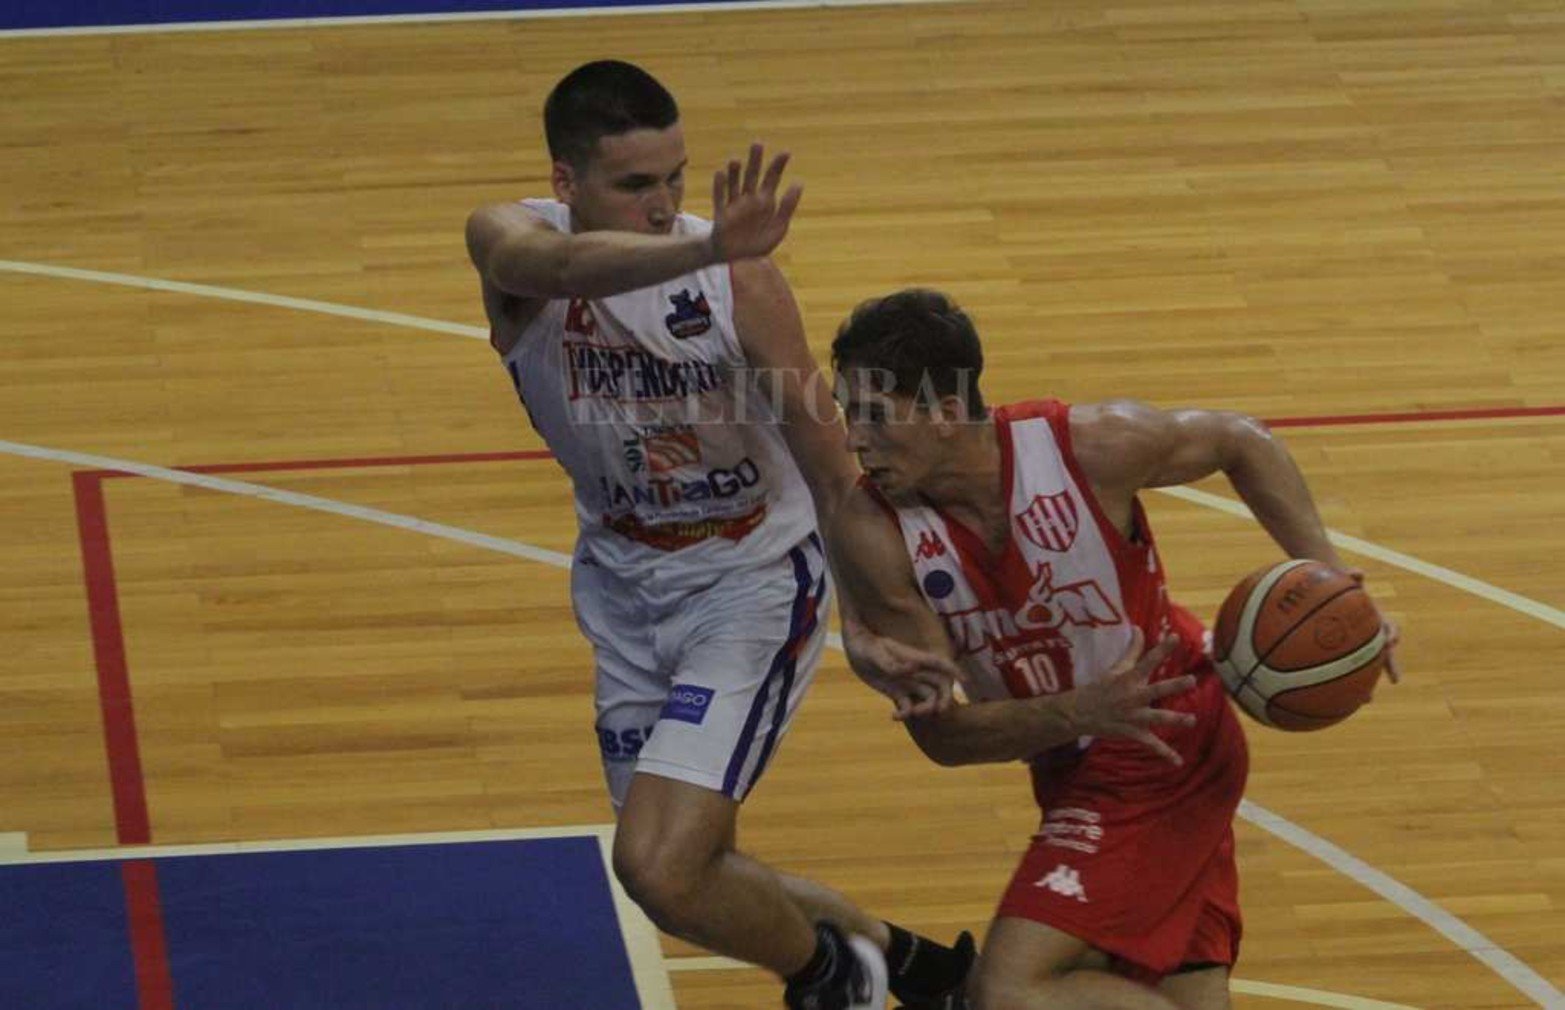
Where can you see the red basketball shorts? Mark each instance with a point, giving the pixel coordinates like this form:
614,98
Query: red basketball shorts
1136,856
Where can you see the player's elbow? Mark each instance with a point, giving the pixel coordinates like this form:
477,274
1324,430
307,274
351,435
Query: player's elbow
937,746
1245,442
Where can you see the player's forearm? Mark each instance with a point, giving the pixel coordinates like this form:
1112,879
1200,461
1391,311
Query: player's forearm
998,731
599,264
1269,481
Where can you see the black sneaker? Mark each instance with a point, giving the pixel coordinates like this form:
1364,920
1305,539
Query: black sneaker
857,982
954,998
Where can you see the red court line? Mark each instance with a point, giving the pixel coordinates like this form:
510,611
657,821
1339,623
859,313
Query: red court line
131,822
1416,415
148,941
268,466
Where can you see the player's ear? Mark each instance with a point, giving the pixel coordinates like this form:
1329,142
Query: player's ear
563,178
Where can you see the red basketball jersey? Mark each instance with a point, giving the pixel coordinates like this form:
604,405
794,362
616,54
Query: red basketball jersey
1055,608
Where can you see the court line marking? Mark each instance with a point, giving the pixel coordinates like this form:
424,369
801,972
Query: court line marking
399,19
642,946
1474,943
1494,594
240,295
1267,990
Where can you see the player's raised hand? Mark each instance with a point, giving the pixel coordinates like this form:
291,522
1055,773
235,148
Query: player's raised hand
749,220
1122,702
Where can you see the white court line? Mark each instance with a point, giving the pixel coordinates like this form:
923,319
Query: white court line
1267,990
26,858
239,295
1518,974
308,501
400,19
1466,583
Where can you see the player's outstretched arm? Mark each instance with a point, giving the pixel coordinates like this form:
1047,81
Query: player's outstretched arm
527,258
1122,703
771,332
518,254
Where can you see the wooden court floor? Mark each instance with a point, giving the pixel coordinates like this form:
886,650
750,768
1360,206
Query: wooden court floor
1344,214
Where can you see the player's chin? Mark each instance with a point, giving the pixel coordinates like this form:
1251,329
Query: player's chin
883,479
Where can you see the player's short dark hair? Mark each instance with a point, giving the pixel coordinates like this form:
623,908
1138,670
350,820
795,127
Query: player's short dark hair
921,339
603,99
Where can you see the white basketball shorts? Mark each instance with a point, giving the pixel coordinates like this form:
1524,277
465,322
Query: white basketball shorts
700,686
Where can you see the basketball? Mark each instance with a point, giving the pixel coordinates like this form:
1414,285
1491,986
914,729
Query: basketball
1299,645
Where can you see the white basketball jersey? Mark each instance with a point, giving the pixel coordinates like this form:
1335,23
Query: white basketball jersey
1055,609
645,399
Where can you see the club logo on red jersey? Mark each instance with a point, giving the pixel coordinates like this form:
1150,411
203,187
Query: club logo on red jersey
1050,521
930,545
1083,604
692,316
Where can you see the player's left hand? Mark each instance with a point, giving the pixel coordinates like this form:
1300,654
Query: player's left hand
919,683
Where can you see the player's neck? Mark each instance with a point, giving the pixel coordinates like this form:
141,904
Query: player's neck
971,482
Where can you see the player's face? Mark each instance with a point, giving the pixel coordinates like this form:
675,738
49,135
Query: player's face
892,436
633,182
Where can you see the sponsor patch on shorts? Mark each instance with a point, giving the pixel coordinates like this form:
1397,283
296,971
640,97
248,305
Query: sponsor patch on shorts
687,703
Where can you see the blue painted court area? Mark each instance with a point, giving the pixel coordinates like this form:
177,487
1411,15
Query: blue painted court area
480,926
84,13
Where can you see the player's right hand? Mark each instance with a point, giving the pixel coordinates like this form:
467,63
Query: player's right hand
1123,701
748,218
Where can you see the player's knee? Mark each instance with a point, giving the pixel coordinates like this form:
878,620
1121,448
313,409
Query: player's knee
658,876
993,989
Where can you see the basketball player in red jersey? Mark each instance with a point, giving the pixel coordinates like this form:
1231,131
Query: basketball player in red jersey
1015,539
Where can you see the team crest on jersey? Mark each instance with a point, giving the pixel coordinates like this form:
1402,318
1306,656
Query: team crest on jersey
692,316
661,449
1050,521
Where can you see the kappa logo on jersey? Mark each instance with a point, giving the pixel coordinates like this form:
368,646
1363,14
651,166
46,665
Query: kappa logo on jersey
691,317
1063,880
687,703
1048,607
930,545
1050,521
633,374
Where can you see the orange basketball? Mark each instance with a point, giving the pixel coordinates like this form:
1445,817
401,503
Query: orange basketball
1299,645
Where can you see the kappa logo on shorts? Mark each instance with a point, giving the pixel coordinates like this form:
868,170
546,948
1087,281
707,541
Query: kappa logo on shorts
687,703
1064,881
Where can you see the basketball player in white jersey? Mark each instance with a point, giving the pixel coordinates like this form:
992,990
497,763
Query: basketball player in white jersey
634,334
1015,540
